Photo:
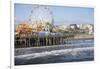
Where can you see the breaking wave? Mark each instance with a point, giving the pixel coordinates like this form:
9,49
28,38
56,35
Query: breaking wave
72,52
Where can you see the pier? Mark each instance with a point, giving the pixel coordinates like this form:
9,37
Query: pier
32,40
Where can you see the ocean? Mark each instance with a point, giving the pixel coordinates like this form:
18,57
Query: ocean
72,51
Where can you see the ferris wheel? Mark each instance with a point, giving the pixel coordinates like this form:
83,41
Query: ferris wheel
41,14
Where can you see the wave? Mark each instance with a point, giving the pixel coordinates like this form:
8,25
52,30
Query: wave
72,51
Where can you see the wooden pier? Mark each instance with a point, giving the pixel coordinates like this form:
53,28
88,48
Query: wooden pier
33,40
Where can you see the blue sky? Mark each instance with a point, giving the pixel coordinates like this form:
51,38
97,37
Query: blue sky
61,14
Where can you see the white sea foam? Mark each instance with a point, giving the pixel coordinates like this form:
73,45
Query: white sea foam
72,51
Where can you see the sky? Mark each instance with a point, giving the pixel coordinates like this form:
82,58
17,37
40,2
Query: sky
61,14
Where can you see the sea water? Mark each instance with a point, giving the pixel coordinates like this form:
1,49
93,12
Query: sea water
77,50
